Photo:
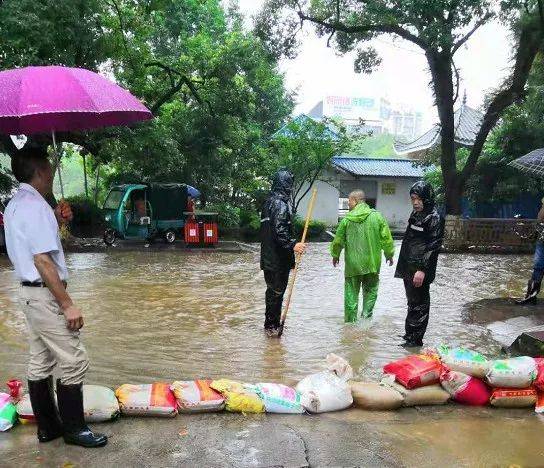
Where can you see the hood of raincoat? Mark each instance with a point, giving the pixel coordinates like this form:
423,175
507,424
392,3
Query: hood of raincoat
282,184
425,191
359,213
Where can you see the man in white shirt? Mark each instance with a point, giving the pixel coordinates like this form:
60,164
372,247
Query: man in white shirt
53,321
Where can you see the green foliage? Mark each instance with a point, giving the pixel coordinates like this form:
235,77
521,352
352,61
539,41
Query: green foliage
228,215
86,213
315,229
376,146
306,147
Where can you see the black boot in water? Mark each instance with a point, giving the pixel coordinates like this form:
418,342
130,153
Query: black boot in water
533,288
76,432
42,398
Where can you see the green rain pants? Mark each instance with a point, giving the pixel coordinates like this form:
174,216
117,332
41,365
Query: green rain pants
352,287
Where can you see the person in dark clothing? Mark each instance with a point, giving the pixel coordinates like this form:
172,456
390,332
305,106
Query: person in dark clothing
278,247
535,283
418,258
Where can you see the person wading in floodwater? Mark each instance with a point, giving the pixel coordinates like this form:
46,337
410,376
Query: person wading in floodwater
278,247
363,235
417,260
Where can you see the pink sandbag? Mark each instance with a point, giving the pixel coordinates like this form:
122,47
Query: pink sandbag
464,388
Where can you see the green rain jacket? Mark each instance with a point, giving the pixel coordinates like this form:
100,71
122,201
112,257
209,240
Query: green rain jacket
363,233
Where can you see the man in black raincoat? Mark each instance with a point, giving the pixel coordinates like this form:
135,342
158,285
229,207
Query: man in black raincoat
418,258
278,247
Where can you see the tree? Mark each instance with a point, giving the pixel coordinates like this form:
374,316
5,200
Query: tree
306,147
440,28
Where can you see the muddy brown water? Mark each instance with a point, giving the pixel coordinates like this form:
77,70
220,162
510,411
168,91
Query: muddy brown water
158,315
155,315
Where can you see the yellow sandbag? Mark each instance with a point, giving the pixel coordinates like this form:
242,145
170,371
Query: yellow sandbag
428,395
373,396
240,398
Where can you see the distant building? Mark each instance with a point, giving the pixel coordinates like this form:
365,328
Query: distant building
386,183
467,125
378,114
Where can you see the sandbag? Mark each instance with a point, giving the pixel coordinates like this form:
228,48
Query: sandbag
24,410
280,398
415,370
421,396
239,397
539,382
464,360
196,396
513,397
147,400
374,396
8,412
464,388
339,367
99,404
539,407
519,372
324,392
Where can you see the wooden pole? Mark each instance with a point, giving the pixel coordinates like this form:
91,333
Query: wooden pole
297,262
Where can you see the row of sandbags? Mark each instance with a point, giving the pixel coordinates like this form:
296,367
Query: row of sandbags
458,374
317,393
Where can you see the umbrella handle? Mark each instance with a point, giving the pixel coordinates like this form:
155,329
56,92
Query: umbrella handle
57,160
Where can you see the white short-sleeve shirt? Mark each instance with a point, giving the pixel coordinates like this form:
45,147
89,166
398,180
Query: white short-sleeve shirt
31,228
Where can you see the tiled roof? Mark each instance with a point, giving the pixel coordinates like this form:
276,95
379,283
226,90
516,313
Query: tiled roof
379,167
467,125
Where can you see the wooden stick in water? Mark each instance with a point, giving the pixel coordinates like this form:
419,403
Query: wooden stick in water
297,262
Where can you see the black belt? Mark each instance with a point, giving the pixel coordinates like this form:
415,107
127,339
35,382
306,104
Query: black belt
37,284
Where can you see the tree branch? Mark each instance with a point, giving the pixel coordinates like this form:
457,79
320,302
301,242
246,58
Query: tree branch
366,28
529,44
457,81
477,26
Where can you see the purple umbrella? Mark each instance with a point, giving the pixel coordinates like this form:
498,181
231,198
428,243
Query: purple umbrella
55,99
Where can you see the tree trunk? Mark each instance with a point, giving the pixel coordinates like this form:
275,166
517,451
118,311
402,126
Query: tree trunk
441,70
85,174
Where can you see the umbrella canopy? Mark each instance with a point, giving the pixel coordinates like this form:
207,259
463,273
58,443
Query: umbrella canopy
55,99
193,192
532,163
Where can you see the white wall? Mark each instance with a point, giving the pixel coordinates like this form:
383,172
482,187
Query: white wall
396,208
326,204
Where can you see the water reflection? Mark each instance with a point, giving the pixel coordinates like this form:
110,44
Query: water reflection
162,315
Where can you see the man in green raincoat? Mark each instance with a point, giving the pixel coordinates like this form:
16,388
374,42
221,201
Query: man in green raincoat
363,234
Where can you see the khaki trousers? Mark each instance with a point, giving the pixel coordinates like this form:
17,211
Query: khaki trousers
51,342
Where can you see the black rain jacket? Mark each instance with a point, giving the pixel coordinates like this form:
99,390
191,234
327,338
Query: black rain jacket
423,238
276,226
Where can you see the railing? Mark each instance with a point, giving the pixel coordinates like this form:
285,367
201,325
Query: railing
489,234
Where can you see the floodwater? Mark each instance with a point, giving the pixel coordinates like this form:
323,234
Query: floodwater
155,315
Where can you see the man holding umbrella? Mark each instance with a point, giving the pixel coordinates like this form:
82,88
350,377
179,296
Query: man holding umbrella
53,321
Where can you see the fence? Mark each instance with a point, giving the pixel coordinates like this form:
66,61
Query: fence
488,234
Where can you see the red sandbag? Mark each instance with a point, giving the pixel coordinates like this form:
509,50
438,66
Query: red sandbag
539,382
464,388
415,371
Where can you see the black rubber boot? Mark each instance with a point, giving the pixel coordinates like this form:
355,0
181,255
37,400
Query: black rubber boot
76,432
533,288
42,398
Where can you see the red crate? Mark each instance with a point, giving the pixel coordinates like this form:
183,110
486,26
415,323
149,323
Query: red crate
211,235
192,233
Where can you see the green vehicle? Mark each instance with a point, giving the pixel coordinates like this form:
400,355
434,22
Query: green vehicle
145,211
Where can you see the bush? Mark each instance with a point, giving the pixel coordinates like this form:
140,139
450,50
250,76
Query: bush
86,213
228,215
315,229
